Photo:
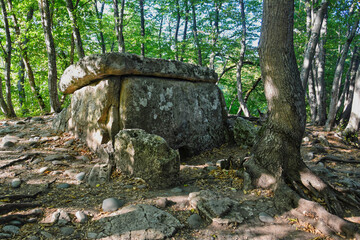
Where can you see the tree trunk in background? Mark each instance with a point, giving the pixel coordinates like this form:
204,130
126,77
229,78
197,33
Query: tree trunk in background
353,125
24,55
119,24
240,64
337,77
159,36
187,10
142,20
7,106
311,95
99,16
195,33
216,33
355,61
320,75
313,40
20,86
50,48
76,32
177,30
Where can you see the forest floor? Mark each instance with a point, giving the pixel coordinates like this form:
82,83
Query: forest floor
45,167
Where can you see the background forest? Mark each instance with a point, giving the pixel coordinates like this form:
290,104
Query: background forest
40,39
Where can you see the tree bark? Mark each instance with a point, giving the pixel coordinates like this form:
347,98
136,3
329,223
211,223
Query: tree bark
7,107
159,36
187,10
195,33
353,125
20,86
99,16
276,160
76,32
216,33
337,77
243,108
178,17
119,24
313,40
50,48
142,21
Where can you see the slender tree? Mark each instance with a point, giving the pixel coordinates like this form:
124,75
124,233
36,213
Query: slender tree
76,32
99,16
215,34
50,48
7,107
276,160
187,10
178,17
119,24
240,63
195,33
142,21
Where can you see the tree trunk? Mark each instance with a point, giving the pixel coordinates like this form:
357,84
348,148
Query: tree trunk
195,33
142,21
76,31
276,160
159,36
216,33
311,96
187,10
310,49
119,26
320,77
177,30
337,76
50,48
353,125
20,86
7,106
240,64
99,16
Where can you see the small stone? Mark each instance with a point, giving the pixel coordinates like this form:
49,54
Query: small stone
63,218
8,144
11,229
47,235
306,139
81,217
63,185
80,176
266,218
92,235
33,238
161,202
34,139
5,235
36,211
176,190
194,221
43,169
67,231
16,182
57,162
112,204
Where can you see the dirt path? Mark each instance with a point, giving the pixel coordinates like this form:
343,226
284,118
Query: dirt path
50,169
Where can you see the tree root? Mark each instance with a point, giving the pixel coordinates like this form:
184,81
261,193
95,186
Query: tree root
21,159
19,217
337,159
12,206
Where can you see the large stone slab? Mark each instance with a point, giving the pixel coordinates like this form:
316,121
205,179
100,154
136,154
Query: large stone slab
190,116
96,67
146,156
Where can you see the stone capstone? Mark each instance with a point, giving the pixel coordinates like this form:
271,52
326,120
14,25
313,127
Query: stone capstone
139,222
147,156
96,67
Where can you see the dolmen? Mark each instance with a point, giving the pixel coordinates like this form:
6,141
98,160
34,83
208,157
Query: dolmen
114,92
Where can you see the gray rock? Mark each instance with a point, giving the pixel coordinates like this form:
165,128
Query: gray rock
16,182
96,67
140,222
194,221
244,132
67,231
161,202
81,217
177,190
5,235
266,218
11,229
61,217
47,235
80,176
33,238
91,235
147,156
99,174
43,169
63,185
112,204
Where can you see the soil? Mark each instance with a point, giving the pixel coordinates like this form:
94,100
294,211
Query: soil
36,140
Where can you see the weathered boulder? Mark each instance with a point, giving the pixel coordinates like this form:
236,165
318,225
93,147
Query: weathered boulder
138,222
244,132
177,101
147,156
96,67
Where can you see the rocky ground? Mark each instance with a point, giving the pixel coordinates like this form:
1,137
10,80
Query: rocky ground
44,194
